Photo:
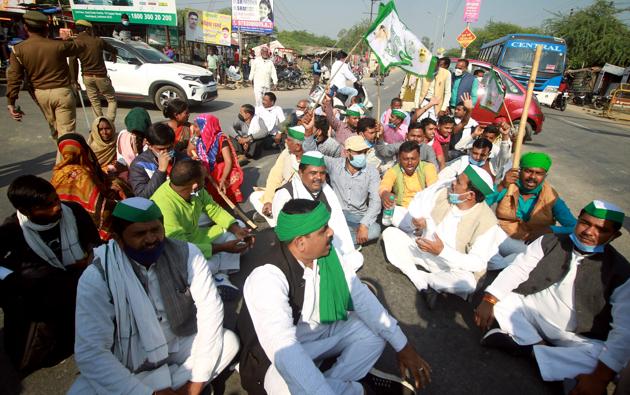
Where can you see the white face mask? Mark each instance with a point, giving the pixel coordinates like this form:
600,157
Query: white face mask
479,79
458,72
299,113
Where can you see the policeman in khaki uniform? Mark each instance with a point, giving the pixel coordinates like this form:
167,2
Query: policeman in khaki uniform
93,69
43,62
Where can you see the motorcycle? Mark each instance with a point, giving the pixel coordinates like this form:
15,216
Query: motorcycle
560,102
289,78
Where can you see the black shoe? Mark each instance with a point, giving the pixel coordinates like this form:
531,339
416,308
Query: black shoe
496,338
430,297
381,383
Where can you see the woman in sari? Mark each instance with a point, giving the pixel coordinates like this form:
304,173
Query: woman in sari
176,110
216,152
78,178
102,141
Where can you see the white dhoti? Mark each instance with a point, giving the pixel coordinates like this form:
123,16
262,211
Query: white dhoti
509,248
259,91
255,200
357,348
225,262
178,365
570,354
403,252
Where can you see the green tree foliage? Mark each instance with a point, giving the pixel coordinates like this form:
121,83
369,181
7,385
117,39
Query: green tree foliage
299,38
349,37
594,35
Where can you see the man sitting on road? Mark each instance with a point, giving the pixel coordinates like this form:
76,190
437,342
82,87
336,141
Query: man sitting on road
272,115
388,153
305,306
401,182
429,126
443,135
529,210
183,200
286,166
501,153
464,125
296,115
249,133
478,155
311,184
149,317
454,234
45,246
395,130
320,139
356,184
341,74
566,302
396,104
347,127
151,168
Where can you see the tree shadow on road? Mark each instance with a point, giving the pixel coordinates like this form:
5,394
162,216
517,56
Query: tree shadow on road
38,165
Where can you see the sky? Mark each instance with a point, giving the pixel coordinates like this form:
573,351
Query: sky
423,17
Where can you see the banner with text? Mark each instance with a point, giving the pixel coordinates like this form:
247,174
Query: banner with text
471,11
161,12
252,16
208,27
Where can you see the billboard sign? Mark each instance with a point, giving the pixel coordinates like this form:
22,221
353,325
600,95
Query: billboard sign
471,11
252,16
208,27
143,12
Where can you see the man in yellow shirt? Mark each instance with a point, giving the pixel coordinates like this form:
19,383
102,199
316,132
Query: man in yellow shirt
401,182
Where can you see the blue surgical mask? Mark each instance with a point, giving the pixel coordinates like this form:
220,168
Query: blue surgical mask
586,248
358,161
145,257
369,143
391,125
473,162
454,198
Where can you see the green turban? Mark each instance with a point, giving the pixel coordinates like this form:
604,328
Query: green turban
334,295
138,119
399,114
296,132
536,160
313,158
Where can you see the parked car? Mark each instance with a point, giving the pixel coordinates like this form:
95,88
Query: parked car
514,101
143,73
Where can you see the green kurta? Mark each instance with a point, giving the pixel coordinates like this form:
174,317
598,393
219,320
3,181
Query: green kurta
181,218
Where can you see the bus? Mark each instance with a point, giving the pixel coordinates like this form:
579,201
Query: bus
514,53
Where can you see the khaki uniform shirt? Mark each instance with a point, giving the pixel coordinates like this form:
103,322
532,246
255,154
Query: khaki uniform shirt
91,58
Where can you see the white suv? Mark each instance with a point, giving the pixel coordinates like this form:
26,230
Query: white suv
141,72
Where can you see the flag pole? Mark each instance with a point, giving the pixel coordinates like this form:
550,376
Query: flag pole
378,97
528,100
507,112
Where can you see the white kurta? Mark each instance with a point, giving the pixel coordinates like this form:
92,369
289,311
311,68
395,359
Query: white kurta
550,315
272,117
263,74
342,239
451,271
294,349
199,357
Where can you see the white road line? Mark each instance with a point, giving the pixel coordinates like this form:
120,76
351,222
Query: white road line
574,124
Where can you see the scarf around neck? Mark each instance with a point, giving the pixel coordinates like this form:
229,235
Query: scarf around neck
71,250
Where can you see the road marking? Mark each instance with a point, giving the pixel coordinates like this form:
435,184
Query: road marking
575,124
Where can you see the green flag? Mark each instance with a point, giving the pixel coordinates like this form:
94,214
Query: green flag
395,46
495,92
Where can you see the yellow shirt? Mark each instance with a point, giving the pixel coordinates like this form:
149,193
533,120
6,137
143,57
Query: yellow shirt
411,183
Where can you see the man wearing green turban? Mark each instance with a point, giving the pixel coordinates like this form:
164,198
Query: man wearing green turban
566,301
528,211
306,306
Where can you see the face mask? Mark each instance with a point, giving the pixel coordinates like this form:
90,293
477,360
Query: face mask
454,198
241,118
479,79
145,257
369,143
299,113
475,162
391,125
171,153
586,248
458,72
358,161
125,23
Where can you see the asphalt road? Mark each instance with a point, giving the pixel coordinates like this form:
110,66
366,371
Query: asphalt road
588,153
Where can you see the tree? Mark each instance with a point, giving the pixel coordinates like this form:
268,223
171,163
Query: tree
349,37
594,35
299,38
492,31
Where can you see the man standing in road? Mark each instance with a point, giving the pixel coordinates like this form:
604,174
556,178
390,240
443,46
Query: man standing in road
340,73
43,63
316,69
263,74
437,86
463,82
94,71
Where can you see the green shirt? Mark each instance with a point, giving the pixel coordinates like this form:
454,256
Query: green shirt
213,61
181,218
